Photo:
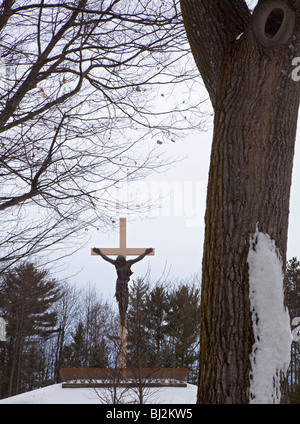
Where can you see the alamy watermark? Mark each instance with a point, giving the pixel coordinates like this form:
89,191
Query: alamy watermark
296,72
164,198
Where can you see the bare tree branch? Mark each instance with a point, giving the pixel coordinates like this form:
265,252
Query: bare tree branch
78,111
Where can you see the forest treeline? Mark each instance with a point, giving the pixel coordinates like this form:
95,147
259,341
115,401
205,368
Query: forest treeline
51,325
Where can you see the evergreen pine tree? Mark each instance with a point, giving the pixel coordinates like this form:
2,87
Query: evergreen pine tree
137,322
78,355
183,324
27,296
99,356
156,307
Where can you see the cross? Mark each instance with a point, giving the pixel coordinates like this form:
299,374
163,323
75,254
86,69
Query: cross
124,251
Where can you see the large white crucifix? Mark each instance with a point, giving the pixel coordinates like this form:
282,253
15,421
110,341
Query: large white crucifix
124,251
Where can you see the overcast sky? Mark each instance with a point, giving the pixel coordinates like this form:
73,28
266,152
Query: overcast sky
176,232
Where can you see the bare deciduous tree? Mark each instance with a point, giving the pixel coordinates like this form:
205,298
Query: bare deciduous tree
78,92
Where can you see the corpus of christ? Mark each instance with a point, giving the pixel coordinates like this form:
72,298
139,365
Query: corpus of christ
163,376
123,268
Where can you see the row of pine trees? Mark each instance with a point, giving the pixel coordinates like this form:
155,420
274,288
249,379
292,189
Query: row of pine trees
51,325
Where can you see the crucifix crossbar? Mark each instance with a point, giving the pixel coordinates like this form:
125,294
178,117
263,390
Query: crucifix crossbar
123,249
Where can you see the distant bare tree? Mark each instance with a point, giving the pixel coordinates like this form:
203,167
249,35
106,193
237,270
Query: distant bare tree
67,309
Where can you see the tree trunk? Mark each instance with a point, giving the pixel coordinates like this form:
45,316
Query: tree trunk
256,105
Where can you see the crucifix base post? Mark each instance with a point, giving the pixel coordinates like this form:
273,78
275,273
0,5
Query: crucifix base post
122,347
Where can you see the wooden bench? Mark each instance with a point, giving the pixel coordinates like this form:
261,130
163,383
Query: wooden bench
106,377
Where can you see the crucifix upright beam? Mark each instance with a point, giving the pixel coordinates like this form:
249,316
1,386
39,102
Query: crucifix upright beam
124,251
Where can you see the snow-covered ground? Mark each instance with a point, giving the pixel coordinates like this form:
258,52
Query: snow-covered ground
55,394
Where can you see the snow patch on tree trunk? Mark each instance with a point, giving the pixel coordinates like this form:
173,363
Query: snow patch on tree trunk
270,355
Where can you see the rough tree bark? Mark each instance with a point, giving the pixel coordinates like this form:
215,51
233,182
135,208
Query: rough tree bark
246,63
